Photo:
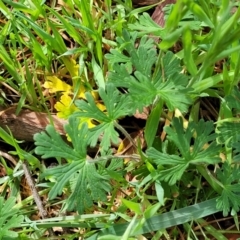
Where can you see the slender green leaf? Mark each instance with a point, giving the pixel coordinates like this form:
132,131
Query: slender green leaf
165,220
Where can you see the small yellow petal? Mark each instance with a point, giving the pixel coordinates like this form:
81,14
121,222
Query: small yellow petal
101,106
55,84
64,107
88,121
81,92
72,67
95,95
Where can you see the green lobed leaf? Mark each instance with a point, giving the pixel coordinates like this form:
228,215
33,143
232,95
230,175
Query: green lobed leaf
201,132
90,186
191,144
83,175
62,174
117,106
88,180
145,86
146,25
233,100
229,176
229,133
51,144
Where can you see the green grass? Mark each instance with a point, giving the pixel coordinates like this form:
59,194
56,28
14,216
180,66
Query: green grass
170,175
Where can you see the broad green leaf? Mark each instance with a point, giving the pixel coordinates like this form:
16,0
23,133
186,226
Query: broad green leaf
133,206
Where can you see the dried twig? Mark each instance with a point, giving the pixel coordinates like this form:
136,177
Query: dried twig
36,196
8,157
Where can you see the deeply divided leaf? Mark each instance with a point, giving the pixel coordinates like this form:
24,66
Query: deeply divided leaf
90,185
229,176
149,80
117,105
195,145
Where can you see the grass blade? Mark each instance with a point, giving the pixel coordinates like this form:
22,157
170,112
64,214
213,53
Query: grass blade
165,220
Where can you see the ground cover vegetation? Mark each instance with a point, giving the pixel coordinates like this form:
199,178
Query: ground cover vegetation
113,127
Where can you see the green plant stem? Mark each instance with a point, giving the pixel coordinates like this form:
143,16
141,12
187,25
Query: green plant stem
125,133
109,157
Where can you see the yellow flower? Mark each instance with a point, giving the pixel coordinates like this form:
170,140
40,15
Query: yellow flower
88,121
54,84
101,106
64,107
